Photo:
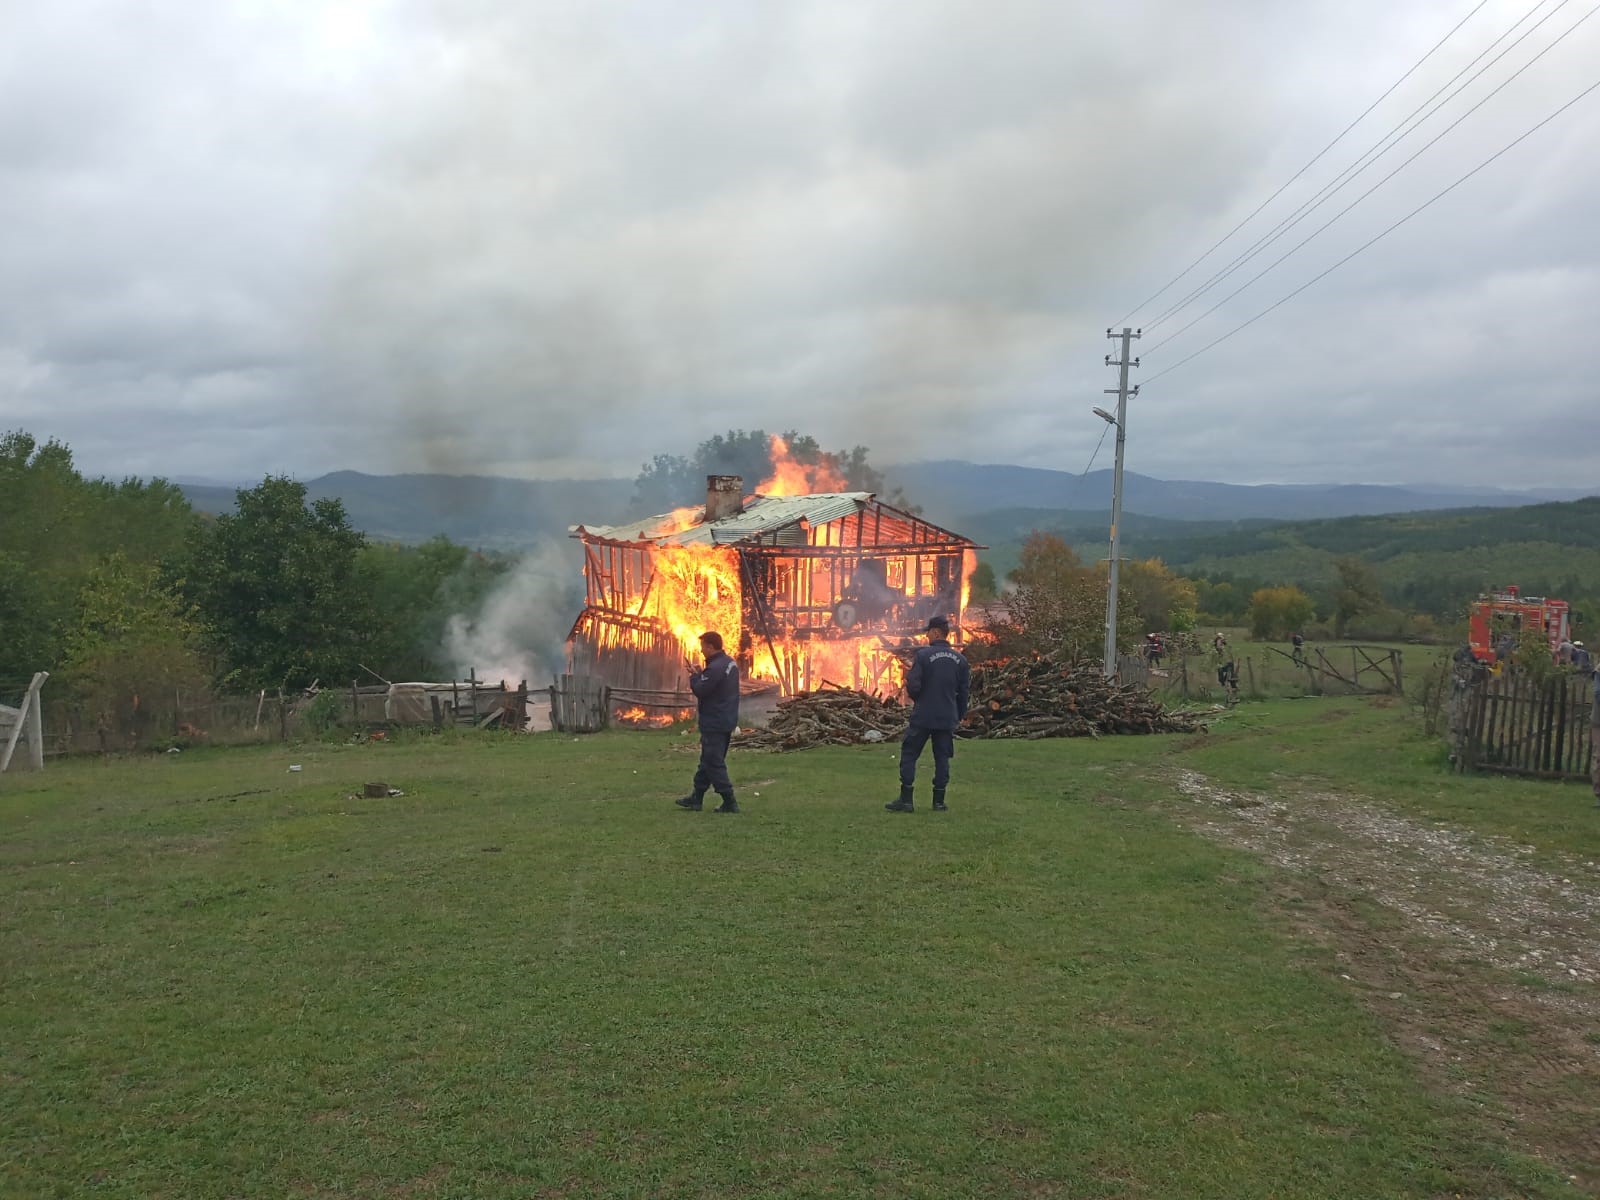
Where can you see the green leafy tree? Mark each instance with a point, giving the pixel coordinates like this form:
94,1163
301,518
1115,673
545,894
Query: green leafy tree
277,585
1275,612
1158,593
131,642
1358,592
56,528
415,590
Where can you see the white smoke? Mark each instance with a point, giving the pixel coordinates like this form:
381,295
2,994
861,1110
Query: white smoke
519,631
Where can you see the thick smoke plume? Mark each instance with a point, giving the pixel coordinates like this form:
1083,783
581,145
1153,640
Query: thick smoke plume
519,631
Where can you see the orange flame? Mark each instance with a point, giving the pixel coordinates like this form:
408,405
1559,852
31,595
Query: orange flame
634,715
791,477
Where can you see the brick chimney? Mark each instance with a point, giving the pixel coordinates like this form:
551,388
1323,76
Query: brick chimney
724,496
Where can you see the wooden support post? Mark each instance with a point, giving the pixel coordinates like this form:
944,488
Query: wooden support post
438,717
355,703
36,722
472,681
29,721
283,718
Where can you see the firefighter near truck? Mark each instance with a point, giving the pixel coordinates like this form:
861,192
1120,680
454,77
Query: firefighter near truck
1498,622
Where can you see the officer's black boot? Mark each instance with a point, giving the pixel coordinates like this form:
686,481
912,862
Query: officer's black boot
904,803
938,801
692,802
729,804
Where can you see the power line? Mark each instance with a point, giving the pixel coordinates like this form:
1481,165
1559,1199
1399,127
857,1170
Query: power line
1378,237
1336,216
1407,126
1313,161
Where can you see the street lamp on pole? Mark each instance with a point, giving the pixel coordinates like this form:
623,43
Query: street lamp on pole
1122,392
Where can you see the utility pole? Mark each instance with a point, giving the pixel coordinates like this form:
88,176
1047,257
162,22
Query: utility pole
1121,392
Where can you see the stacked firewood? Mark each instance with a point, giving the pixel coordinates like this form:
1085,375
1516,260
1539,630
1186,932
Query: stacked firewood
1039,697
830,716
1028,698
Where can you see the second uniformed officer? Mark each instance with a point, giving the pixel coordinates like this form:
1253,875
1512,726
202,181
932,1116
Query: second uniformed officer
938,683
716,690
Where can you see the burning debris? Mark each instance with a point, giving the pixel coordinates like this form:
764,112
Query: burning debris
807,583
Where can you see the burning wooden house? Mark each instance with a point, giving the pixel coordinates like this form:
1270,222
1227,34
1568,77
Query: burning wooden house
804,587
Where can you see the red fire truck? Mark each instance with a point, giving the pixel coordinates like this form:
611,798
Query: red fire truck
1505,616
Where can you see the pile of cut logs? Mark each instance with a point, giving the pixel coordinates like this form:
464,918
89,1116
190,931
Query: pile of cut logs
1039,697
830,716
1028,698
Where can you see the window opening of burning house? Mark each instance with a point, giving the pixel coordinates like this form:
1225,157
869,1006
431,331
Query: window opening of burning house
804,590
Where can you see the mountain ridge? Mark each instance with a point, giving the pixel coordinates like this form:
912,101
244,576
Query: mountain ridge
502,512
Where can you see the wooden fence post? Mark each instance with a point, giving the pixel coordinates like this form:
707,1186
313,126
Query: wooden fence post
283,718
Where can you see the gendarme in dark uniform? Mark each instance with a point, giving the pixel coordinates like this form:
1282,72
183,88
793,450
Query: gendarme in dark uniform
716,691
938,683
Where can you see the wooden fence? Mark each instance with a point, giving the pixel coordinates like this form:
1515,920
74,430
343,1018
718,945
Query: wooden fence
1266,671
1512,724
579,704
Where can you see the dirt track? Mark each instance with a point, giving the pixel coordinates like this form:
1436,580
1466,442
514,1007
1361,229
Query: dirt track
1484,966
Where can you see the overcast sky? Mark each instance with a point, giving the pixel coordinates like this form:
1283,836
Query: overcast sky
555,239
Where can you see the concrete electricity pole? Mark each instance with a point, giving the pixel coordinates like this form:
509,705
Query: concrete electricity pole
1121,392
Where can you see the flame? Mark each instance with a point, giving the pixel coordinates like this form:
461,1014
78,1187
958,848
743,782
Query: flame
678,520
634,715
791,477
695,589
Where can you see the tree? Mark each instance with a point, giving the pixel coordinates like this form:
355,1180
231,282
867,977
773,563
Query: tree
58,527
415,591
1275,612
131,641
672,481
1358,592
1058,605
277,586
981,586
1159,594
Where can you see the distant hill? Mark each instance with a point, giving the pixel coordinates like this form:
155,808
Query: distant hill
1209,526
489,512
947,490
1431,561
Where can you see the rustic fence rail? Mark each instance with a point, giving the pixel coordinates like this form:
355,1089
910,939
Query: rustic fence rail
1512,724
1266,671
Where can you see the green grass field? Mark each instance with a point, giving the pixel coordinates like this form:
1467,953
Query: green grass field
532,976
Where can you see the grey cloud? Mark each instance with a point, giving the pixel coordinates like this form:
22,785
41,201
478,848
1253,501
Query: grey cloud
461,235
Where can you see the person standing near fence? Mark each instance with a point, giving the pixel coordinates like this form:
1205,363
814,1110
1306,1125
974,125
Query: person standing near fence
939,684
716,692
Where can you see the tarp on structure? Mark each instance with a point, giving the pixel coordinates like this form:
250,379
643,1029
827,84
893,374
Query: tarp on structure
412,703
408,703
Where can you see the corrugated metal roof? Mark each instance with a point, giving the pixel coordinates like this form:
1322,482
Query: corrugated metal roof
761,515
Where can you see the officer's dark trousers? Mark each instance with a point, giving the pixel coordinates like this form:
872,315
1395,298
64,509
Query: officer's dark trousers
713,770
944,747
